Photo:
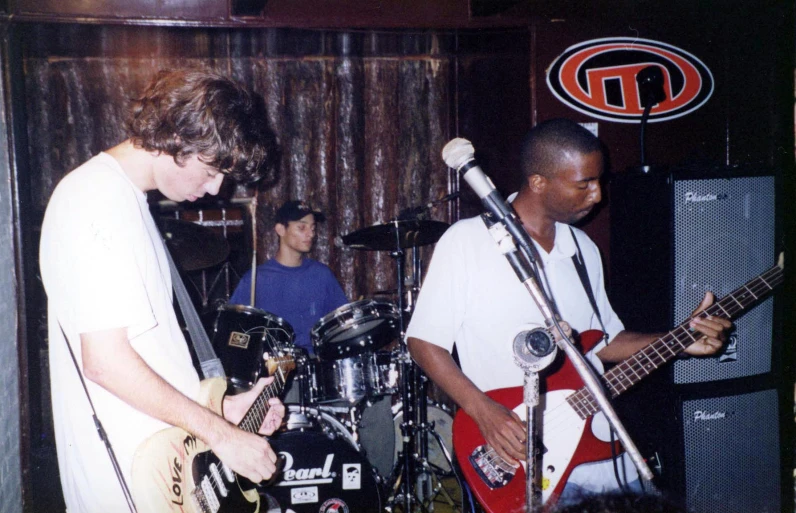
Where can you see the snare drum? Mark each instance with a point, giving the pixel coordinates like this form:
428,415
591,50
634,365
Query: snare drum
241,335
352,379
355,328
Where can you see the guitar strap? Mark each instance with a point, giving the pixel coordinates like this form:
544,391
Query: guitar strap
209,362
580,266
101,430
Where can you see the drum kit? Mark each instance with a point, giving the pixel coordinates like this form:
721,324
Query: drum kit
364,436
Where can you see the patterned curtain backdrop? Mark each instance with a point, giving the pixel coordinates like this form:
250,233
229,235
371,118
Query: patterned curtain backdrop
360,119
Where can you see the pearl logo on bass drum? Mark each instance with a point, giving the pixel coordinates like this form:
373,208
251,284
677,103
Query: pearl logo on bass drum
324,470
305,476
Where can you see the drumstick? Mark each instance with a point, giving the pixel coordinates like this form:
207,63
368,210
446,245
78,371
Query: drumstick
253,213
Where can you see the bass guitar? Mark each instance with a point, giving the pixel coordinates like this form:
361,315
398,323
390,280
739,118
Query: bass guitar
175,472
571,434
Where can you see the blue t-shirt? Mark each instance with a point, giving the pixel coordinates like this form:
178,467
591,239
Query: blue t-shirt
300,295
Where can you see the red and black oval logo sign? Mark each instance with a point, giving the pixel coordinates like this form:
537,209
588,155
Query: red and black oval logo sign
598,78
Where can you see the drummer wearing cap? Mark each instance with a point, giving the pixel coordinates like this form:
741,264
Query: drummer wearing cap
291,285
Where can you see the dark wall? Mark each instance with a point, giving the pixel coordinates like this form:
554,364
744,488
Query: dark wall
748,121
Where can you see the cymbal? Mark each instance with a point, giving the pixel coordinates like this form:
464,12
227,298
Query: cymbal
192,245
396,234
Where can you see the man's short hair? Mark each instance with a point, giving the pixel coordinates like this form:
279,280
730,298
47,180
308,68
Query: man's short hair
547,142
196,112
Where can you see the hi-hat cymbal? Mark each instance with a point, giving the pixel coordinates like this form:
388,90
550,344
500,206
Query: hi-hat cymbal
396,234
193,246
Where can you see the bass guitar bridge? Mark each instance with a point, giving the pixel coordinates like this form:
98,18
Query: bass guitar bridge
490,467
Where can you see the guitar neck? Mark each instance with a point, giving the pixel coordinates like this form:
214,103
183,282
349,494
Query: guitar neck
642,363
253,419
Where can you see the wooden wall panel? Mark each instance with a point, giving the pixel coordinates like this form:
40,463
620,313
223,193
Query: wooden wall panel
360,121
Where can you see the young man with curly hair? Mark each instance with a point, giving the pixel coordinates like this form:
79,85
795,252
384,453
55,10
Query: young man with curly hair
107,278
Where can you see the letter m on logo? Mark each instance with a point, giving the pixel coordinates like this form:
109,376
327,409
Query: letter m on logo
614,89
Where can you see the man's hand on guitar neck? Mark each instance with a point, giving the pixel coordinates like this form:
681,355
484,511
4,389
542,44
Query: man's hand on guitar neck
236,406
709,334
110,361
713,329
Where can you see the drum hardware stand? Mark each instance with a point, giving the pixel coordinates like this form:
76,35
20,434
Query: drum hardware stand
408,394
415,480
428,480
410,229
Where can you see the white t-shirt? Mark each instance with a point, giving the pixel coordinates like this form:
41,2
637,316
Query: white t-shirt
472,296
104,266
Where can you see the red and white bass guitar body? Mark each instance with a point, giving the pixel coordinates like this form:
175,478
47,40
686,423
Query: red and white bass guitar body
568,441
572,434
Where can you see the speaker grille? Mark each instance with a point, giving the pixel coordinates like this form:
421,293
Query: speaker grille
732,453
724,236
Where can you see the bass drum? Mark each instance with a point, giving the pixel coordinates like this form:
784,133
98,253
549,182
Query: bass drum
381,439
443,425
323,473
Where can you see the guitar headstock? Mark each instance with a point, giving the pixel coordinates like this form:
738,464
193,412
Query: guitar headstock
285,362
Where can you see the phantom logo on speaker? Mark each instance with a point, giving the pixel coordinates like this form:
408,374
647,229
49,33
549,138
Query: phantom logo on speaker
695,197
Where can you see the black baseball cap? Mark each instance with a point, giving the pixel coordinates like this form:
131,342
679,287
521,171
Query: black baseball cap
294,210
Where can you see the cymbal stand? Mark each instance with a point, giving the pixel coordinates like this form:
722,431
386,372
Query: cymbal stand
408,428
421,389
415,482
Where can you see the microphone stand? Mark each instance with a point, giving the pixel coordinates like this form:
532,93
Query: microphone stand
534,350
523,268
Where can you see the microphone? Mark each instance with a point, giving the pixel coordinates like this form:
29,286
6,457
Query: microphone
459,154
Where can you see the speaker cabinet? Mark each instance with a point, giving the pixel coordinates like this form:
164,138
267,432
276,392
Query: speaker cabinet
716,428
731,449
673,238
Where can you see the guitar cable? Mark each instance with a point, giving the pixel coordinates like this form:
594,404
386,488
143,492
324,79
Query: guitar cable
623,484
101,431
